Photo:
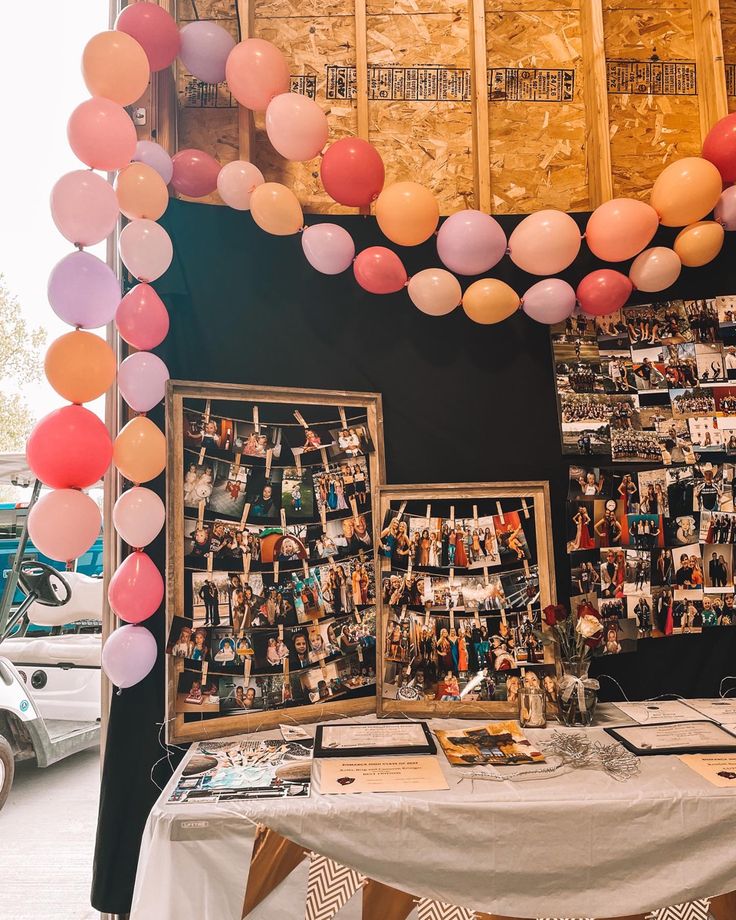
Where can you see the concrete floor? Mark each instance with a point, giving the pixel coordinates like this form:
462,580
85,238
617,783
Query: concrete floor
47,838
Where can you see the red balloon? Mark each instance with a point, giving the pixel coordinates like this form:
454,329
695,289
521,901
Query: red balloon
379,270
136,588
719,147
195,173
352,172
69,448
603,291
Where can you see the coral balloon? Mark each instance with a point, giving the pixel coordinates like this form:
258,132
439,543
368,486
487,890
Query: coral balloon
195,173
70,448
329,248
136,588
655,269
699,243
549,301
296,126
685,191
115,66
129,654
140,450
545,243
80,366
352,172
236,181
142,318
154,155
619,229
101,134
256,71
146,249
407,213
379,270
719,147
276,209
470,242
141,192
490,301
603,291
64,523
138,516
725,210
435,291
142,380
154,29
84,207
83,290
205,47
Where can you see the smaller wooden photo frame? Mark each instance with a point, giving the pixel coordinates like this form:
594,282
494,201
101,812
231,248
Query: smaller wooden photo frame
465,571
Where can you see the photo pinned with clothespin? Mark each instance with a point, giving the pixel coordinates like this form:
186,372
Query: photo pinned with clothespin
402,614
323,517
451,578
246,512
525,508
504,618
499,511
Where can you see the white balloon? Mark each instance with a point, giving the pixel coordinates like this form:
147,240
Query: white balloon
138,516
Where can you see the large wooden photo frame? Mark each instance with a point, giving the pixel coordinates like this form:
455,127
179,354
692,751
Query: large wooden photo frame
251,453
495,603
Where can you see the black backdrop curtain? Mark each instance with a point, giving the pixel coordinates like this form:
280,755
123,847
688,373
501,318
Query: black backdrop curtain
462,402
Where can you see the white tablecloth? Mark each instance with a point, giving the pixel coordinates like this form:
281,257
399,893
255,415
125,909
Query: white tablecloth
573,845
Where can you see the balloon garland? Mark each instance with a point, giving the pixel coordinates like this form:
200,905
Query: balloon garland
70,448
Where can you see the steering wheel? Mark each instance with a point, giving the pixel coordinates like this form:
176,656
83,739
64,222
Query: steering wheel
45,583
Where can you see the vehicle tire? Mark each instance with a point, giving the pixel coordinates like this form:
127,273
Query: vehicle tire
7,769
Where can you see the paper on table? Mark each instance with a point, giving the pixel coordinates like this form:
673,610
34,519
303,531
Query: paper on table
378,774
720,710
650,712
682,735
368,735
718,769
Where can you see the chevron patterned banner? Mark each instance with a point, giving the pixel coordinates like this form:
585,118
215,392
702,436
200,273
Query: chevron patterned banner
329,887
693,910
429,909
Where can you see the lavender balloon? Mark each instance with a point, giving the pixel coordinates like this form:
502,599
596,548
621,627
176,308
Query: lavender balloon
549,301
205,47
154,155
128,655
142,380
329,248
470,242
83,291
725,210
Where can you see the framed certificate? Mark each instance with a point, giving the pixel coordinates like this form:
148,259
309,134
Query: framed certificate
675,738
367,739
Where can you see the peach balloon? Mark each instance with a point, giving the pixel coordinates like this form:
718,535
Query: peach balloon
275,209
80,366
141,192
407,213
655,269
236,182
256,71
101,134
116,67
435,291
490,301
685,191
64,523
296,126
699,243
619,229
139,451
545,243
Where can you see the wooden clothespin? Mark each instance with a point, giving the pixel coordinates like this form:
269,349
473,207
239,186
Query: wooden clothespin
485,575
526,568
247,665
283,519
525,508
210,562
354,507
269,460
276,570
325,461
499,509
246,512
402,615
323,517
402,509
427,609
452,516
246,564
305,568
300,418
202,455
298,463
429,516
205,669
343,417
200,513
256,420
452,617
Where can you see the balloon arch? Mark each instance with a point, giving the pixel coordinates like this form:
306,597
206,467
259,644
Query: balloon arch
70,449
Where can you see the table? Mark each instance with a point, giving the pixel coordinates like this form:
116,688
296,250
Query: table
579,844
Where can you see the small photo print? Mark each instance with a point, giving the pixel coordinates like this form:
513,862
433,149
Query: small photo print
709,491
574,328
585,423
229,490
610,524
616,371
263,494
688,568
613,608
711,364
255,444
357,531
628,445
680,486
653,497
626,490
238,694
717,527
645,531
584,573
663,567
639,610
681,530
726,309
580,526
279,545
193,694
675,327
692,402
681,368
308,443
705,434
180,640
703,319
575,350
589,482
718,567
644,324
329,542
620,636
215,434
297,495
210,598
349,443
725,397
687,614
308,599
223,649
675,441
578,377
648,368
512,542
612,331
199,480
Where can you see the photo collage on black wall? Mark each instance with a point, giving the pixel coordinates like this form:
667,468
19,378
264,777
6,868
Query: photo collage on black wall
279,581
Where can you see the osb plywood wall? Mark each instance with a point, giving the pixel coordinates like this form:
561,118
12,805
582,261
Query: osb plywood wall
539,78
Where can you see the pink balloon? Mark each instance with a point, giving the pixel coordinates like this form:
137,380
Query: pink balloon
83,290
154,155
620,228
63,524
142,318
545,242
101,134
603,291
84,207
70,448
128,655
655,269
138,516
329,248
296,126
549,301
236,181
205,48
136,588
470,242
146,249
379,270
195,173
142,380
725,210
154,29
256,71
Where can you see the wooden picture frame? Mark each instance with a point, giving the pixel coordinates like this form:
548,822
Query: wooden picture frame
339,402
531,497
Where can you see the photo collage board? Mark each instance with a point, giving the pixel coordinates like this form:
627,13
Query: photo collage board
276,609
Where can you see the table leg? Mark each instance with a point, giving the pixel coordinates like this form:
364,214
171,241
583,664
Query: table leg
724,906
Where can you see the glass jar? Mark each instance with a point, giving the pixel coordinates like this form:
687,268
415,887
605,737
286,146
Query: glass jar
578,693
532,708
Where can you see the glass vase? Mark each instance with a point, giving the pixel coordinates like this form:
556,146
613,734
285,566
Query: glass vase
578,695
532,708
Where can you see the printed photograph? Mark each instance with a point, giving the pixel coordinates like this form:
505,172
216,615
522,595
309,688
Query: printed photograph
297,494
263,494
336,488
256,444
210,598
349,443
717,567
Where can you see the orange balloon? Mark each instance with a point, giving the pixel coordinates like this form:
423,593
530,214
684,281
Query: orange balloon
685,191
141,192
139,451
490,301
115,66
276,209
407,213
699,243
620,228
80,366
